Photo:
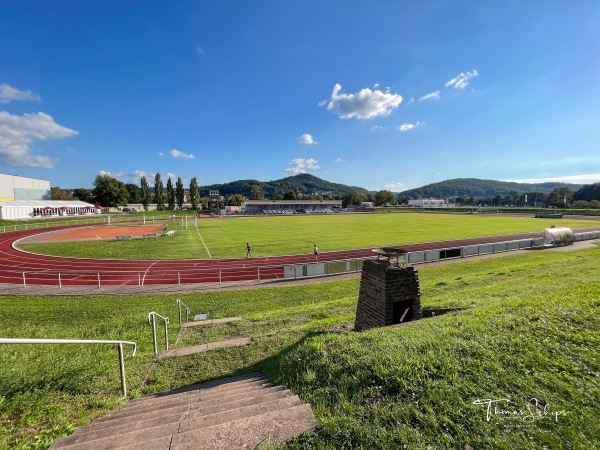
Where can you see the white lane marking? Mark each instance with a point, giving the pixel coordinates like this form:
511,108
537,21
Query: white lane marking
149,267
198,231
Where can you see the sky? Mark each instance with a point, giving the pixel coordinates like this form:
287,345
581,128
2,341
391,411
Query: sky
377,94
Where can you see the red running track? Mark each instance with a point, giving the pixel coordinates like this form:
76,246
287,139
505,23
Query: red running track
18,267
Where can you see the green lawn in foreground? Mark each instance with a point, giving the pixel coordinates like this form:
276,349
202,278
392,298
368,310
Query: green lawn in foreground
532,332
270,236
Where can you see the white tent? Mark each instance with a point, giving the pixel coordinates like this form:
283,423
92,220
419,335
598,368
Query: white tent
29,209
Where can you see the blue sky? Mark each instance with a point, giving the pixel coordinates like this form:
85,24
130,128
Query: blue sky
380,94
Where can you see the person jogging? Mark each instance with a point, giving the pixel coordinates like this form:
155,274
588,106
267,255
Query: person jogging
316,251
248,250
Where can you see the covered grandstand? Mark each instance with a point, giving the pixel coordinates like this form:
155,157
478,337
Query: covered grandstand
291,206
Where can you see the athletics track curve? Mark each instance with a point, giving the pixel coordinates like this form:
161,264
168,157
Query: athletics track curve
18,267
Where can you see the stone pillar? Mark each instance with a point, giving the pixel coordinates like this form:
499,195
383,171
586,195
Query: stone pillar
389,294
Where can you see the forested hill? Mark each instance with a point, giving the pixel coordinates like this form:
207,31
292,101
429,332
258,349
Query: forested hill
474,187
304,183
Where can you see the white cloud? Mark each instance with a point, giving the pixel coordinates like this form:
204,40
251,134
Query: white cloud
9,94
365,104
300,165
201,51
461,80
177,154
376,128
340,160
575,179
307,139
18,132
134,176
433,95
161,154
393,185
409,126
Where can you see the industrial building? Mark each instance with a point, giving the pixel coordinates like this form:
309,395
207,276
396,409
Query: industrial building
14,187
31,198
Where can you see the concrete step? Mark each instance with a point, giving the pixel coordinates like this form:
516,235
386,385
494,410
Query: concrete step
109,438
203,348
242,412
209,322
165,401
270,428
174,414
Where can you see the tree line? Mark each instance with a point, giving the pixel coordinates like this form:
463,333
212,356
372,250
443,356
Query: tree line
110,192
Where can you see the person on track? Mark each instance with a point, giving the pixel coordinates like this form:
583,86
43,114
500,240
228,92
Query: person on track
248,250
316,251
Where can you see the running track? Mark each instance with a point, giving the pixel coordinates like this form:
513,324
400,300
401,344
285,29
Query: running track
16,265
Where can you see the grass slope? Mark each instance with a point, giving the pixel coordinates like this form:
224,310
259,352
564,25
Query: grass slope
531,334
269,236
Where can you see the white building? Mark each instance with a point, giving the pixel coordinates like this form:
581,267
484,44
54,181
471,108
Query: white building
30,198
427,203
13,187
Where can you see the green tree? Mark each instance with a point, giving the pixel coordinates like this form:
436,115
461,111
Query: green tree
276,195
85,195
560,197
170,194
588,192
402,199
194,193
158,191
204,201
134,193
59,194
110,192
236,199
256,193
353,198
384,197
145,193
179,193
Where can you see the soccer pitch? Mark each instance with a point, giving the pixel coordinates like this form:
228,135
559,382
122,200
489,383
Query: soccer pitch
286,235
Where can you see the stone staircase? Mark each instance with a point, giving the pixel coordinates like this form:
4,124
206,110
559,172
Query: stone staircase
244,412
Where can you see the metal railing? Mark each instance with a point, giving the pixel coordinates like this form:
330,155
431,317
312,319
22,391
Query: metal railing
152,321
81,341
187,311
222,275
87,220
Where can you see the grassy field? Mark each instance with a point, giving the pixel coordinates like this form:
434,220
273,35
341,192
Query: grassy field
270,236
531,332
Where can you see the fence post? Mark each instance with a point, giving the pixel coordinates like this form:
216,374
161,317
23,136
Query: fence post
259,274
59,281
122,370
24,282
178,279
98,280
154,334
219,277
167,334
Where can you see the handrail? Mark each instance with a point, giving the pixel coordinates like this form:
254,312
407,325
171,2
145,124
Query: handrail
187,315
152,321
81,341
